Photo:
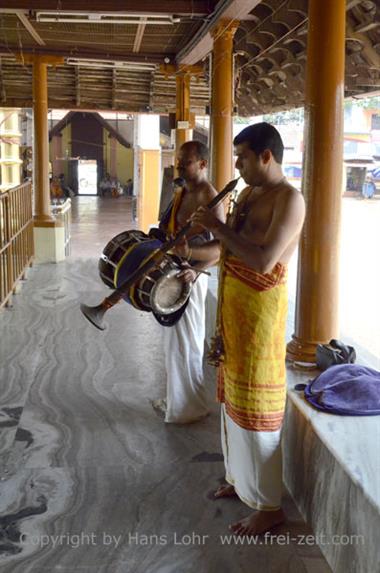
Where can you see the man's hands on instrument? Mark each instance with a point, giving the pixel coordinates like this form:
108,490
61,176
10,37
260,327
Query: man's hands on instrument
206,218
182,249
188,275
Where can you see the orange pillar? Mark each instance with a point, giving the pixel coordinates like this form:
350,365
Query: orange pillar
222,104
42,212
49,233
184,133
318,267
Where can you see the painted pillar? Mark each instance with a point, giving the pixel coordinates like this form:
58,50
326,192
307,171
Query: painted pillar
183,130
222,170
49,233
318,267
147,169
42,210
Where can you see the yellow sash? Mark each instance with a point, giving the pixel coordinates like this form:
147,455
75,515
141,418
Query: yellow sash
173,225
252,380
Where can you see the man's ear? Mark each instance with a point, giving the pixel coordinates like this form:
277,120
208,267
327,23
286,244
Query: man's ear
266,155
204,163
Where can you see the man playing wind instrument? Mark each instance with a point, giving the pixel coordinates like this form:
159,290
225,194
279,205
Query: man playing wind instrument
256,245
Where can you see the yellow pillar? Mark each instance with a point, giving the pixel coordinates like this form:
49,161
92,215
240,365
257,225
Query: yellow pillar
148,198
147,171
184,133
49,234
182,111
318,268
42,210
222,104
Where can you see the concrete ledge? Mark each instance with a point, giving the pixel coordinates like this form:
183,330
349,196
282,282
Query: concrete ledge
49,244
332,469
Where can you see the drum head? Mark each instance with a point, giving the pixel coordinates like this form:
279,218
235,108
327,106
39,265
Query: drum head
169,293
170,319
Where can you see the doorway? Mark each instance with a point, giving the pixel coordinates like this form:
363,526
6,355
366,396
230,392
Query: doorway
87,177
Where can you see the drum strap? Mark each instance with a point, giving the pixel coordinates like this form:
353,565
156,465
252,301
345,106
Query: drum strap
172,225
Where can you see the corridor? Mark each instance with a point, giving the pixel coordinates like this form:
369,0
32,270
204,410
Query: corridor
91,478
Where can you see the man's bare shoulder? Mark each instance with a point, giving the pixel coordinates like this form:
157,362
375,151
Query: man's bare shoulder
207,191
289,194
290,203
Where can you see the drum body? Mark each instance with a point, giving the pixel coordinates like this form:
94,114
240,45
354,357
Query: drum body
159,290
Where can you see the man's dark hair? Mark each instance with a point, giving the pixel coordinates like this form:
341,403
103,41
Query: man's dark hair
200,149
262,136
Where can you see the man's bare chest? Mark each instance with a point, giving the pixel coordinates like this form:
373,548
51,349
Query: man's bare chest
254,216
188,205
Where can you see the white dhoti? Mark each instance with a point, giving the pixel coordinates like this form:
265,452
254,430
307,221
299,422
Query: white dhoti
253,464
186,399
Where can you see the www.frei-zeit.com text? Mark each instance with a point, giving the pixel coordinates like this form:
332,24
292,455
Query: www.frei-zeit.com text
76,540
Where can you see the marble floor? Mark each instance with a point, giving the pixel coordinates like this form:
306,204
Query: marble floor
91,478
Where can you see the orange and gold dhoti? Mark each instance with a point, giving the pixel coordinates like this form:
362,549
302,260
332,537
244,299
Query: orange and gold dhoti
252,382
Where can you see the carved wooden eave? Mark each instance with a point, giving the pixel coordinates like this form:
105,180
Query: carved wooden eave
270,53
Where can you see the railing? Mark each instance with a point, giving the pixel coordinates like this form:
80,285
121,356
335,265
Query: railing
62,212
16,238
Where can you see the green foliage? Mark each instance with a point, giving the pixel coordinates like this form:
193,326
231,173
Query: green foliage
292,116
365,102
241,120
296,116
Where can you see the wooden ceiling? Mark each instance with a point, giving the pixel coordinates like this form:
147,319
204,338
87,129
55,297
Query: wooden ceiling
271,54
118,65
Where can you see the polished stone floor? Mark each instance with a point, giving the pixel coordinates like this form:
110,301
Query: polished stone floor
91,478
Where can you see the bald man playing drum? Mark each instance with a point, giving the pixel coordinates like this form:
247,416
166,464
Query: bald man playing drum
186,398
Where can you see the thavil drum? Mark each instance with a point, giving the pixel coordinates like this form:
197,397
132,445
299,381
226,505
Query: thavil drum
160,290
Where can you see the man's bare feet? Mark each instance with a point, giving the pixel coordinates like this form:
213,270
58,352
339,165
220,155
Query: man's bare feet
258,522
225,490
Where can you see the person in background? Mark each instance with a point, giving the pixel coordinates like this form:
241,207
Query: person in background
105,185
369,187
56,191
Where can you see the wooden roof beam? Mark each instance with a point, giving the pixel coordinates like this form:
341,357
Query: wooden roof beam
60,125
352,3
2,87
153,58
28,25
371,82
77,85
368,51
139,35
195,7
367,20
201,44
